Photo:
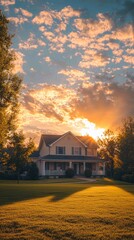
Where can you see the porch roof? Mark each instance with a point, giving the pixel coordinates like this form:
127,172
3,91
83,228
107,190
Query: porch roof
70,157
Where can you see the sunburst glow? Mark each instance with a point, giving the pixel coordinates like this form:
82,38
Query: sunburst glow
91,130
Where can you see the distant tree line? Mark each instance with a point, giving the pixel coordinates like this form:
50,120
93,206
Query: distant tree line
14,149
118,151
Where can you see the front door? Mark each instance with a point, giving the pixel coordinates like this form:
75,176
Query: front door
76,168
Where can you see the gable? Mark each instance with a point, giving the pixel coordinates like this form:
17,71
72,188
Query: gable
68,138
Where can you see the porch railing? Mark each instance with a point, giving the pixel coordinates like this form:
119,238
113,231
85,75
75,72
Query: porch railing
99,172
55,172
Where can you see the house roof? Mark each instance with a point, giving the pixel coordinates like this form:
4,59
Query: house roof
49,139
88,141
85,140
35,154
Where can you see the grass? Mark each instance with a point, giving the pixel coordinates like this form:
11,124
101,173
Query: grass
62,210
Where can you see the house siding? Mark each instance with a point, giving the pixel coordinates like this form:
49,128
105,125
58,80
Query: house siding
44,150
68,142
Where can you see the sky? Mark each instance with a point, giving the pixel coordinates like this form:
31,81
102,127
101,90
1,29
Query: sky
76,59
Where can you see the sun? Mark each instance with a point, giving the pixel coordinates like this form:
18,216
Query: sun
91,130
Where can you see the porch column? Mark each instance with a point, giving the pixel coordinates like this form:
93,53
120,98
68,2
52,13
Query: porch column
97,168
43,168
77,169
84,166
70,164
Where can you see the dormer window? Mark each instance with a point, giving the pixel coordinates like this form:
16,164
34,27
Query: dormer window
60,150
76,150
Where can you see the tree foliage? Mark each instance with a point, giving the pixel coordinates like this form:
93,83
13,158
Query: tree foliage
19,153
10,83
33,171
126,145
108,151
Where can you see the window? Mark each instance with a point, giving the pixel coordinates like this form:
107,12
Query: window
60,150
76,150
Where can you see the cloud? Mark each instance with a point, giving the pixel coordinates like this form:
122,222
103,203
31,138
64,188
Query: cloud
7,2
77,40
104,103
124,34
49,35
32,69
74,75
41,43
31,43
42,28
94,60
130,51
44,17
57,41
113,45
49,101
69,12
47,17
18,20
23,12
128,59
61,27
118,52
93,28
47,59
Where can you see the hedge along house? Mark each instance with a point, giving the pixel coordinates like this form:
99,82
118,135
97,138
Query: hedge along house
57,153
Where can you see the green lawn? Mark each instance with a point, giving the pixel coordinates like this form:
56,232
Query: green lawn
62,210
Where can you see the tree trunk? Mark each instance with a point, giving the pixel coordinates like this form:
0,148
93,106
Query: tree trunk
18,177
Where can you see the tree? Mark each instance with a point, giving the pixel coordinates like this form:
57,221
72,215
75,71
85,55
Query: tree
9,84
126,145
108,151
19,153
33,171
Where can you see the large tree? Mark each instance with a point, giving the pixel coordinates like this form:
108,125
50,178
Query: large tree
10,84
108,151
126,145
19,152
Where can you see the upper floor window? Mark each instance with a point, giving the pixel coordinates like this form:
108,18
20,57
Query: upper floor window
76,150
60,150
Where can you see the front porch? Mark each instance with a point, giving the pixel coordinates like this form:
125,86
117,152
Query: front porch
59,168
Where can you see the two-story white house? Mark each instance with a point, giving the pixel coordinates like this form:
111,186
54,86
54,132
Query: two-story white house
57,153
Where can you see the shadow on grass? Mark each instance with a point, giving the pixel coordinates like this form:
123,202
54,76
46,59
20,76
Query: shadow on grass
12,192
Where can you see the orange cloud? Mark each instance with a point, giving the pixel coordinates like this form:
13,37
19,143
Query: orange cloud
74,75
47,17
24,12
91,27
57,108
18,20
7,2
31,43
124,34
96,60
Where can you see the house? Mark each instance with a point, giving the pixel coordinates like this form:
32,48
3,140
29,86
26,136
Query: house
57,153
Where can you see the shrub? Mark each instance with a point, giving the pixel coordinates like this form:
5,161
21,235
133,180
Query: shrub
33,172
117,174
69,173
128,178
8,176
88,173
